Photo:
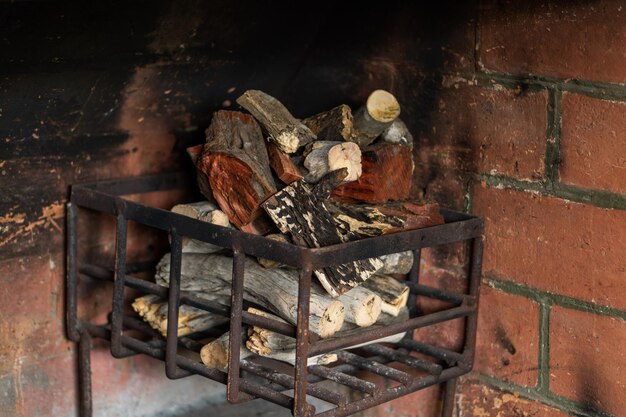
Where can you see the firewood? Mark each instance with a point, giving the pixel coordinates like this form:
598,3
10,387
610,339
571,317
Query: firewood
398,133
190,319
366,220
375,116
215,354
282,164
387,171
206,212
268,263
273,289
235,162
396,263
362,306
334,125
323,157
385,320
297,210
393,293
287,132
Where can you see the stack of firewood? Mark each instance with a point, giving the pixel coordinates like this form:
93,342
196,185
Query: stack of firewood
334,177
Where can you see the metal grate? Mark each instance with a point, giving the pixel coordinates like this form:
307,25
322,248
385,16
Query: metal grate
258,377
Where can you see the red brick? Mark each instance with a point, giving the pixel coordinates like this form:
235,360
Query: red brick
487,130
507,345
587,359
423,403
554,245
593,145
476,400
581,40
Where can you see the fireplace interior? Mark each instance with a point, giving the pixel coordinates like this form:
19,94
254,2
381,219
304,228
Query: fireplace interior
518,117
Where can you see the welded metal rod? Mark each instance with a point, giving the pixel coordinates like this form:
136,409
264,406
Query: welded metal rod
234,340
345,379
375,367
420,364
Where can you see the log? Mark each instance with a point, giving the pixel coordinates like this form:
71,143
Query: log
235,162
274,289
393,293
287,132
268,263
387,171
396,263
298,211
362,306
397,132
366,220
323,157
375,116
190,319
206,212
215,354
335,125
282,165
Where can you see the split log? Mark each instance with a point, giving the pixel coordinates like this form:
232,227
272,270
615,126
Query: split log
268,263
371,120
215,354
393,293
335,125
236,165
206,212
273,289
362,306
282,164
397,263
397,132
364,220
387,171
385,320
287,132
324,157
190,319
297,210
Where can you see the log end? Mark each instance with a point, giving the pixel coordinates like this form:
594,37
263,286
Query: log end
332,319
382,106
214,355
370,311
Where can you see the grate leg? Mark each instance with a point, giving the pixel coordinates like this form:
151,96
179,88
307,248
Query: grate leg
84,375
449,391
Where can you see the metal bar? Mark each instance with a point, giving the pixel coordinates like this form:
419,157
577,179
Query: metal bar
413,278
84,375
345,379
451,358
141,184
117,313
474,287
367,335
449,392
302,343
375,367
421,364
288,381
173,303
440,294
392,393
234,342
71,315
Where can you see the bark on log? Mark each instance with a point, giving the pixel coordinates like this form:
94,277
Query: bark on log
362,306
190,319
396,263
298,211
282,164
273,289
236,165
335,124
397,132
206,212
375,116
215,354
323,157
287,132
393,293
387,171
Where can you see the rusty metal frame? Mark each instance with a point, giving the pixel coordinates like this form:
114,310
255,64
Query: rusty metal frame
441,366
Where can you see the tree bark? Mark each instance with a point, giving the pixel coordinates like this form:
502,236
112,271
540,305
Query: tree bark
237,169
273,289
323,157
375,116
393,293
287,132
335,125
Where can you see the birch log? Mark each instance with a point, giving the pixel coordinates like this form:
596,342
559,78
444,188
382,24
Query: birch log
206,212
297,210
190,319
335,124
235,162
362,306
273,289
393,293
323,157
396,263
287,132
375,116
